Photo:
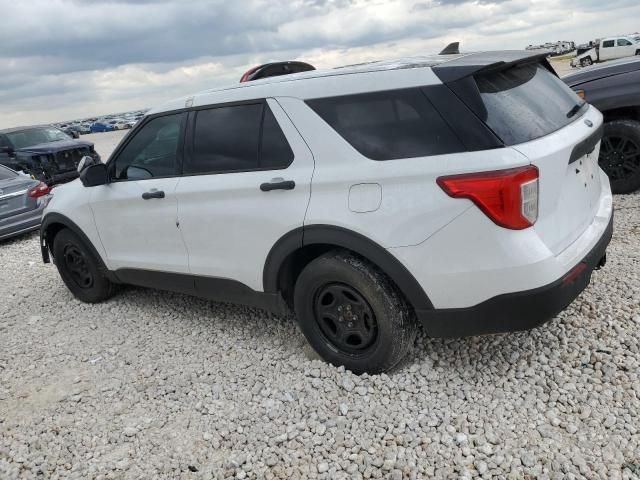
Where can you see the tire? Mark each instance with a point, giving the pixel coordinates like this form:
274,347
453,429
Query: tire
352,314
620,155
586,62
81,272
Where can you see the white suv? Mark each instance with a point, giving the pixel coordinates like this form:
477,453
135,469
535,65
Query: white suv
459,192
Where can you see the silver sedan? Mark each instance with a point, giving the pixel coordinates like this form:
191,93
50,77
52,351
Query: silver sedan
22,201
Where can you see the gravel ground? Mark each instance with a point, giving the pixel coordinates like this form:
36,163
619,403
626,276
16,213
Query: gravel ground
157,385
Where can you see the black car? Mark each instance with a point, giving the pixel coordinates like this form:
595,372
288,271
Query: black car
46,153
614,88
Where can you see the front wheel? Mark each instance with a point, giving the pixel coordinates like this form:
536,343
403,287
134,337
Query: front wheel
620,155
80,270
352,314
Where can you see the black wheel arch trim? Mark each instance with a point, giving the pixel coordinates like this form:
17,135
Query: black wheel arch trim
350,240
46,243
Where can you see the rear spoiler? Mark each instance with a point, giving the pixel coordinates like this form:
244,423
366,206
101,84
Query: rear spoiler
485,62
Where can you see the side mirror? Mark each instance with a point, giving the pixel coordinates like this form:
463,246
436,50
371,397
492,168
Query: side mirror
94,175
75,134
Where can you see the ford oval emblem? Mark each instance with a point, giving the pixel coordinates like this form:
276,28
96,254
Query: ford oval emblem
588,123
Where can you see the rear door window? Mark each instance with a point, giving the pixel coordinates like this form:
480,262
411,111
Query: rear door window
275,151
527,102
237,138
389,125
608,43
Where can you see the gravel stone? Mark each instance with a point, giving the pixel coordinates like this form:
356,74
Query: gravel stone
160,385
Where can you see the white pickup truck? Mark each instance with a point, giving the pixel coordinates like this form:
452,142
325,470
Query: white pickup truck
609,49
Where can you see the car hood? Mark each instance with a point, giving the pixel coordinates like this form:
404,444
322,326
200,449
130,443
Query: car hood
54,147
604,70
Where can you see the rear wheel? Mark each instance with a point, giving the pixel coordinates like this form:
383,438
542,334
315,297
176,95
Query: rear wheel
352,314
80,270
620,155
586,62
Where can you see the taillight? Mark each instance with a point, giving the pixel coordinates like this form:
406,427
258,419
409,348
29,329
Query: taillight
40,190
247,74
508,197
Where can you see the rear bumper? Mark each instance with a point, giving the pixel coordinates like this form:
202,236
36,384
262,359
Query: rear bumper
520,310
23,223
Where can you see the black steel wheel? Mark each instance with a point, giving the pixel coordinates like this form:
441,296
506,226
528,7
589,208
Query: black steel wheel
76,264
345,318
620,155
352,314
81,271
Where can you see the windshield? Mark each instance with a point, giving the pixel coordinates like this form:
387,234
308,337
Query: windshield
527,102
36,136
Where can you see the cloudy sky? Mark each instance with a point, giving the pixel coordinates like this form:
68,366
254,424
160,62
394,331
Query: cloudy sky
64,59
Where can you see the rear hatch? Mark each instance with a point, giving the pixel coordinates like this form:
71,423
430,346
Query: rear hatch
531,110
13,194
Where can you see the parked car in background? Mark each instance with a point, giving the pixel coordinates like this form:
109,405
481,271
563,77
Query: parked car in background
614,88
99,127
461,192
71,131
275,69
122,125
608,49
84,128
46,153
22,201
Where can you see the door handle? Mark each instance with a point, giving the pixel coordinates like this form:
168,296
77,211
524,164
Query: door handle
153,194
278,184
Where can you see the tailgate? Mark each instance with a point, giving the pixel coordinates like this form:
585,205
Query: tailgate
570,180
532,111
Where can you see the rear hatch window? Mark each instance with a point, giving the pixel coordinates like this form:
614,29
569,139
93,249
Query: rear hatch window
527,102
6,174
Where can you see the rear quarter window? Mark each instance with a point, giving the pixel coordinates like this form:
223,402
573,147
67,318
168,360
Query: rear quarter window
6,174
527,102
388,125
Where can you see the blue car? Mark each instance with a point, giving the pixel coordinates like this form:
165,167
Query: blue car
98,127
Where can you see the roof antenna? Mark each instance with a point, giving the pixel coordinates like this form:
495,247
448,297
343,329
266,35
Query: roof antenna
451,49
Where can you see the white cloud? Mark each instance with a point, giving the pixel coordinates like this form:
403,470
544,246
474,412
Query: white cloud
64,59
